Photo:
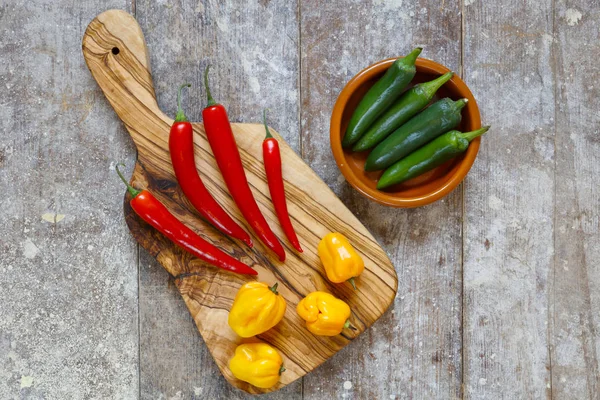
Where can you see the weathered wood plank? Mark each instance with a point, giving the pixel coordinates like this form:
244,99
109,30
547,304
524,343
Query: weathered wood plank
68,278
509,201
414,350
575,298
253,53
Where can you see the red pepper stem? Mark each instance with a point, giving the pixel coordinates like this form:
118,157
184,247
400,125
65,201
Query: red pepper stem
281,369
180,117
351,280
269,136
211,101
274,288
133,191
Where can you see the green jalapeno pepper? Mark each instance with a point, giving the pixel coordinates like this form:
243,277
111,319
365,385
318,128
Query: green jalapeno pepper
409,104
432,155
381,95
438,118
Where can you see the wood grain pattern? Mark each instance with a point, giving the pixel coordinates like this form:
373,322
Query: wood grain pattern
575,279
509,202
251,69
414,351
315,210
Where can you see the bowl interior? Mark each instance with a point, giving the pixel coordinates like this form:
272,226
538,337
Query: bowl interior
429,186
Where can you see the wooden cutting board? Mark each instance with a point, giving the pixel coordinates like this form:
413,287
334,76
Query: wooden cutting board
116,54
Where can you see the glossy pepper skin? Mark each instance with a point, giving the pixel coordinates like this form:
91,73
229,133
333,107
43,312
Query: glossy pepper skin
426,158
325,315
181,148
257,307
407,106
223,145
380,96
156,214
342,263
272,161
258,364
430,123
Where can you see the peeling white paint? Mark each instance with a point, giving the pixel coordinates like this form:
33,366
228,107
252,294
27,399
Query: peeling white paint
53,218
30,250
388,4
26,381
573,16
178,396
254,85
495,203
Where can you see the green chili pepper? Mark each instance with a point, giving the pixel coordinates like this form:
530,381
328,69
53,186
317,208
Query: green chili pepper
409,104
381,95
432,155
438,118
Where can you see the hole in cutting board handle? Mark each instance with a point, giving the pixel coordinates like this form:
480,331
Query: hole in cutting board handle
115,50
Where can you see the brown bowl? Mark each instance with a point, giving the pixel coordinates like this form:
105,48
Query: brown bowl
423,189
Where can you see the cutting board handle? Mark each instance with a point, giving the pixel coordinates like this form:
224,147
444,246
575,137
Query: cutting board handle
115,52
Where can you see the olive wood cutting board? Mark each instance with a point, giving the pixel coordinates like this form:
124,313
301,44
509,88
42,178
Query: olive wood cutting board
116,54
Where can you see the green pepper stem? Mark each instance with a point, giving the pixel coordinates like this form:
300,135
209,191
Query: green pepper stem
281,369
459,104
211,101
133,191
348,325
473,134
274,288
412,56
433,86
269,136
180,117
351,280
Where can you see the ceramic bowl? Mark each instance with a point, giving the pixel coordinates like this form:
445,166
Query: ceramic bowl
423,189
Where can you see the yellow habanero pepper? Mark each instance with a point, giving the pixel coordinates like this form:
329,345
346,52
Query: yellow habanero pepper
256,309
342,263
258,364
324,314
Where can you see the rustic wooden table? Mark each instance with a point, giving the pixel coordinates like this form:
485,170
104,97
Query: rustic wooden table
499,293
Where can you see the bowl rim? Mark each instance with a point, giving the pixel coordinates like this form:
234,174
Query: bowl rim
381,197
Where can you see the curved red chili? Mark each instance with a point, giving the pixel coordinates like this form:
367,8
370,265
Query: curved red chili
181,148
156,214
221,140
272,161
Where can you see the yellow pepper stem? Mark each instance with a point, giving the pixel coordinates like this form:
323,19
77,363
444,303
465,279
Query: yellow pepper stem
282,369
351,280
274,288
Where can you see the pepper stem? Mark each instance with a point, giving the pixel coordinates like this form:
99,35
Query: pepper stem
133,191
274,288
351,280
265,123
180,117
282,369
348,325
412,56
433,86
459,104
211,101
473,134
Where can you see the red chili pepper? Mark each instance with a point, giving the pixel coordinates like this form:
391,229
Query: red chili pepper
181,147
272,161
221,140
156,214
